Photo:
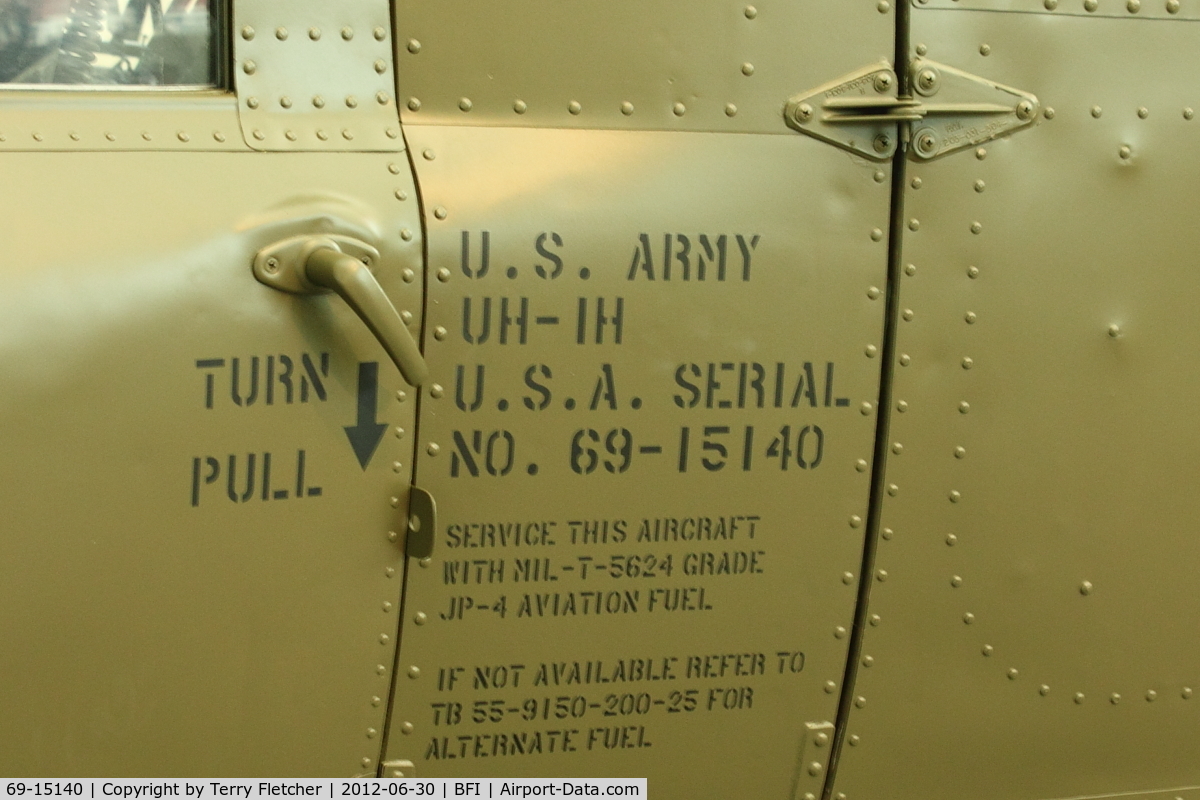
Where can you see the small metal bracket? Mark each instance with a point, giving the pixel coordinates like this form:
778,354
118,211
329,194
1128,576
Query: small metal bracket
399,768
283,265
814,760
950,110
422,523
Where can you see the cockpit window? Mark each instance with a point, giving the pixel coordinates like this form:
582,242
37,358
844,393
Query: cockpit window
108,43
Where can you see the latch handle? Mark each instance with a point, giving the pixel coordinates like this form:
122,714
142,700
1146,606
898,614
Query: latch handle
341,264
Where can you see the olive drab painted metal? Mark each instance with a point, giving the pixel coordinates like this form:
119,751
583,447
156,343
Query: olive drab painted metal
653,324
201,472
803,405
1034,556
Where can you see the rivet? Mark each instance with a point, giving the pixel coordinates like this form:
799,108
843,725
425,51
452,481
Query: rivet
955,496
414,46
520,107
392,535
988,650
1172,6
285,101
318,101
440,212
1048,113
376,701
379,33
865,408
967,363
249,67
893,489
876,234
574,107
914,224
679,109
860,701
871,351
420,618
75,136
443,274
1097,111
951,540
985,49
883,6
1143,112
182,136
847,578
968,618
1043,690
1151,696
406,317
902,406
1090,5
384,638
956,581
907,314
436,390
868,661
627,108
830,687
730,110
1114,331
972,272
406,235
853,739
980,186
408,275
861,465
281,33
1050,4
351,101
747,69
252,102
970,317
414,672
897,448
981,153
751,12
922,49
247,33
887,533
910,270
880,176
314,33
439,333
814,768
1187,693
347,33
380,66
322,135
414,104
395,502
881,575
432,449
976,227
370,735
874,620
464,104
964,407
217,135
1188,113
1114,698
839,632
425,562
1134,6
389,572
905,359
873,293
960,452
855,521
347,134
1085,588
1125,152
406,727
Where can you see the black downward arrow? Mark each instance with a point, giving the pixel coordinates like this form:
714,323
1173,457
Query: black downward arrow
365,435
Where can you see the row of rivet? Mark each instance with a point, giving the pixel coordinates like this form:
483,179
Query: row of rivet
250,66
281,33
1132,6
320,133
383,98
575,108
146,136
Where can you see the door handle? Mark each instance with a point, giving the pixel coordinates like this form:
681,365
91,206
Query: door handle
342,264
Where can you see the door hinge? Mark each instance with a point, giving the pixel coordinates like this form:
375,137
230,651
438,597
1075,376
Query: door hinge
949,110
422,522
814,760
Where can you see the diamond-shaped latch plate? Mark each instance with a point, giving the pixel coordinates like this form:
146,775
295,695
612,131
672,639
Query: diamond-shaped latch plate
814,760
950,110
